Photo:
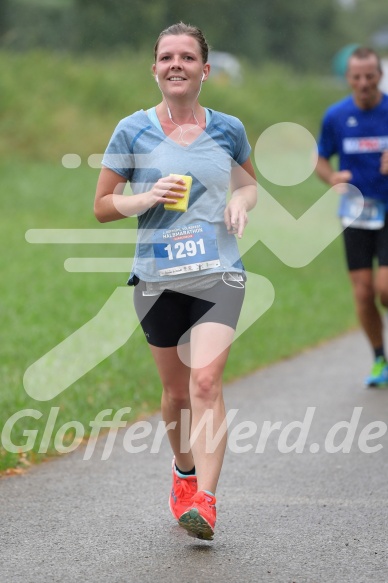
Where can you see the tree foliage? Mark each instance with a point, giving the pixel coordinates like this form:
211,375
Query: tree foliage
303,35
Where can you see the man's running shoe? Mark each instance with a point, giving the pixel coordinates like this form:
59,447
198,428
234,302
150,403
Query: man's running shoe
379,374
182,492
200,519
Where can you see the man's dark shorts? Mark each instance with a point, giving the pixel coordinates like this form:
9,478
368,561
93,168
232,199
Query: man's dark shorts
364,246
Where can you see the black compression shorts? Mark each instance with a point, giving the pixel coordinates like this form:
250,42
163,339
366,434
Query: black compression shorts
167,320
363,246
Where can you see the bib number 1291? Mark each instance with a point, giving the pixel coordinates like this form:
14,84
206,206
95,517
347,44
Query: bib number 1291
185,249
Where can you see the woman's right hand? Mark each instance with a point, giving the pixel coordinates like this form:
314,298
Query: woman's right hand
166,190
111,205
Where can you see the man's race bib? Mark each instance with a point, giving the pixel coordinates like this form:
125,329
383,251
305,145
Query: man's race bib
361,213
186,249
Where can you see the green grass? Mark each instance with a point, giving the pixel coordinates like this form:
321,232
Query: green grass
52,105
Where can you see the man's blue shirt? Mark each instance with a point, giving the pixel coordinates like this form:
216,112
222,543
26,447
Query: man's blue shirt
358,137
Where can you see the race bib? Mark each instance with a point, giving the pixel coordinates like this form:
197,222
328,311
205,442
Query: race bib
361,213
186,249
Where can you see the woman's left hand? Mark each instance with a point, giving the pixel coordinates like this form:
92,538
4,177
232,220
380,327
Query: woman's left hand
243,199
236,216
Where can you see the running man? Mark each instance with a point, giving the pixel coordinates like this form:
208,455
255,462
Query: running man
356,129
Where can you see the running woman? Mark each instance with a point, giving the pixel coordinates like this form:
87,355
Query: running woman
188,276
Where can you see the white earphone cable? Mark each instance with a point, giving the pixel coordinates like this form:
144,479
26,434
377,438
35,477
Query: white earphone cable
182,131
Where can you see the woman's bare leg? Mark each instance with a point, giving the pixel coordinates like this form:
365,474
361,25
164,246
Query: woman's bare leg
209,341
175,378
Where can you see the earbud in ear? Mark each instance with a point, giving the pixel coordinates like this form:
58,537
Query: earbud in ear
203,77
156,78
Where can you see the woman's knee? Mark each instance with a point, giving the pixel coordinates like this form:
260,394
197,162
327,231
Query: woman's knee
177,396
205,385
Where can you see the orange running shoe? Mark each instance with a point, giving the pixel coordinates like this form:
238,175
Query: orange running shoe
182,492
200,519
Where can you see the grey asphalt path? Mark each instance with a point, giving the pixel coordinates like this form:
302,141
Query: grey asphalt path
309,517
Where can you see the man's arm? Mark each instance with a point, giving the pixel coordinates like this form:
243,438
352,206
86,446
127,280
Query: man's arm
384,163
326,172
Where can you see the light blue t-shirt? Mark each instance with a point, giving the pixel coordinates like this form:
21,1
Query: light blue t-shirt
171,244
155,120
